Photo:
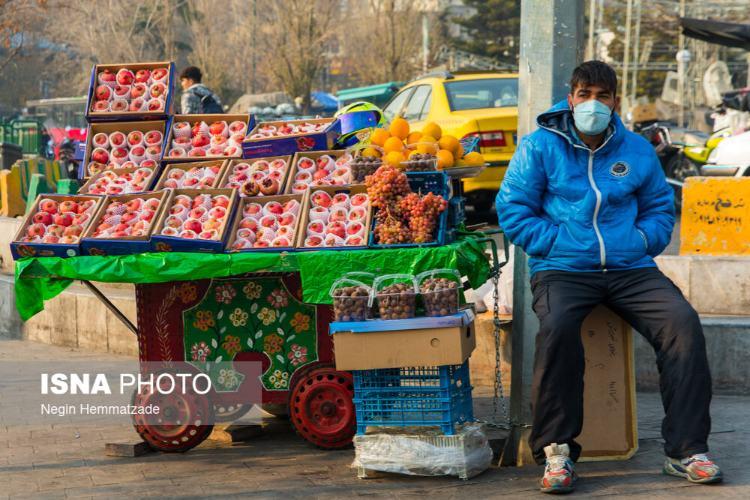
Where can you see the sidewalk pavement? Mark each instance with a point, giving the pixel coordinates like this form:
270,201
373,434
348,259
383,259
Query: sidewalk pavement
62,461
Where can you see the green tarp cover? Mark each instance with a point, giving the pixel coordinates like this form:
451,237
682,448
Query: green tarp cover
42,278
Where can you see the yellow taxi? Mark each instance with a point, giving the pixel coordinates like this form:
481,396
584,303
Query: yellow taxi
464,104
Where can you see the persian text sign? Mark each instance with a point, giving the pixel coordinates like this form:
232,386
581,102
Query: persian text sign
715,216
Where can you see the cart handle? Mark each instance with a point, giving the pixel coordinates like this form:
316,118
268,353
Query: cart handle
483,237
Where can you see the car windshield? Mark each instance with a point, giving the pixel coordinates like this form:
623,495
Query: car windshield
483,93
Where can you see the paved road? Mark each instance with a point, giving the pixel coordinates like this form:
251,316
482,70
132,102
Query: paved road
68,462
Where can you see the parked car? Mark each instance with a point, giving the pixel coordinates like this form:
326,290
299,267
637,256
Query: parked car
482,104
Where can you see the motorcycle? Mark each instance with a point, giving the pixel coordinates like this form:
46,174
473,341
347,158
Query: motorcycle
682,152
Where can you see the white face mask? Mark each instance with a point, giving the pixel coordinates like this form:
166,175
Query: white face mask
592,117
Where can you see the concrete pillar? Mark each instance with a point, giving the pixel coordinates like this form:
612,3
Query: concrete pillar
551,46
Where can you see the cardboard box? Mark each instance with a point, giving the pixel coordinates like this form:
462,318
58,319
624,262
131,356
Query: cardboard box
435,341
209,119
283,198
21,249
610,430
332,190
282,182
125,128
313,155
119,172
222,164
290,144
94,116
644,113
128,244
161,243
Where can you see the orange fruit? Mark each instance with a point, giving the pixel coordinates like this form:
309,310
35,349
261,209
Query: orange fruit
459,153
413,137
474,159
393,144
399,128
449,142
371,152
427,145
379,136
433,130
444,159
394,158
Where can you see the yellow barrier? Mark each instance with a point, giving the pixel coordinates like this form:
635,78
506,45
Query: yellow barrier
15,183
715,216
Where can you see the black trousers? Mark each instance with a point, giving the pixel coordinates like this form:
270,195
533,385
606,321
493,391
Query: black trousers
656,308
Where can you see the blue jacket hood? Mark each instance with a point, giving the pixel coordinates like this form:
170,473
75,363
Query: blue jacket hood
574,209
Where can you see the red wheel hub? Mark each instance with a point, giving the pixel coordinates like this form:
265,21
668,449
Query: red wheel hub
321,407
183,421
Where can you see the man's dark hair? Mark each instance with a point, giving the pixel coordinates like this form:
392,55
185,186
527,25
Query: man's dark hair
192,73
594,73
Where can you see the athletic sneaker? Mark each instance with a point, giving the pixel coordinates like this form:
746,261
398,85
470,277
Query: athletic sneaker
559,474
695,468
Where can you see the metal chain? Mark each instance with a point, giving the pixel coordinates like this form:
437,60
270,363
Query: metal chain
498,398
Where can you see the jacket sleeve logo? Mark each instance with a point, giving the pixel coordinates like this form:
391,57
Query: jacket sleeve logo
620,169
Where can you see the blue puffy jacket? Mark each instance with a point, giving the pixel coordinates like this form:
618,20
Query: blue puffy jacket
573,209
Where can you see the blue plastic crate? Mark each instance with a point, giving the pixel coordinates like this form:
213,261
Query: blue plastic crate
423,396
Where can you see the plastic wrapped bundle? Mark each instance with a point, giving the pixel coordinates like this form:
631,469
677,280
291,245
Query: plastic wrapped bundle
419,452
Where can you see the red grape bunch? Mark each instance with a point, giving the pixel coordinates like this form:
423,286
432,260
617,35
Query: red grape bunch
386,186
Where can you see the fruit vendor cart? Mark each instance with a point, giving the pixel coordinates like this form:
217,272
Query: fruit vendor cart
269,307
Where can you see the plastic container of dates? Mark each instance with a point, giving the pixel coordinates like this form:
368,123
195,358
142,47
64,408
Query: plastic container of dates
419,158
363,165
351,300
439,290
396,295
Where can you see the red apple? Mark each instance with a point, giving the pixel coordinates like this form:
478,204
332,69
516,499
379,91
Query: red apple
355,228
354,240
50,238
183,200
336,228
125,77
170,231
252,209
198,212
197,152
173,221
211,224
129,217
315,227
80,219
286,219
122,227
217,212
261,244
68,206
73,230
193,225
69,240
119,105
55,229
101,106
320,175
147,215
188,234
209,235
218,128
291,206
269,221
157,90
191,182
313,241
280,241
273,207
100,155
142,75
159,74
333,240
249,223
200,141
155,105
359,200
107,77
42,218
64,220
305,164
103,93
37,229
220,201
153,138
357,214
321,199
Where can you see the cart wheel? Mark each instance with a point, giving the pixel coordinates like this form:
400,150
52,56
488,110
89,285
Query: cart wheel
321,407
186,414
230,412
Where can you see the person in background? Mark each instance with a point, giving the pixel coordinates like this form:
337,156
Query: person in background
587,200
196,97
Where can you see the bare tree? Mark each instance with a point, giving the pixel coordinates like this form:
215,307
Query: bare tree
295,39
19,19
386,44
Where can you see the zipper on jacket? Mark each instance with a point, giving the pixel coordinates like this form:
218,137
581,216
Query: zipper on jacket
602,251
